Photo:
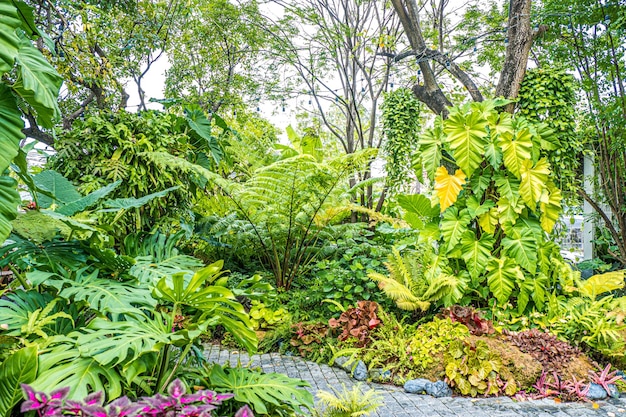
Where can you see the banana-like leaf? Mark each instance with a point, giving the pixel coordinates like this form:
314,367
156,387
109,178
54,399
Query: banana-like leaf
87,201
262,391
9,41
533,181
453,225
38,83
57,185
448,187
521,245
19,368
63,366
9,200
467,137
601,283
502,274
476,252
111,343
516,149
128,203
11,123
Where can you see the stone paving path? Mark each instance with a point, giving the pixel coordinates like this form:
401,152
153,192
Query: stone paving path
397,403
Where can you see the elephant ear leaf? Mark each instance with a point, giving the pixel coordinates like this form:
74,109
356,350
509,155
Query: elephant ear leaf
9,43
19,368
262,390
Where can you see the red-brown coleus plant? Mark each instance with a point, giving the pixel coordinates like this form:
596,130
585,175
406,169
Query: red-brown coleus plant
307,336
471,318
357,322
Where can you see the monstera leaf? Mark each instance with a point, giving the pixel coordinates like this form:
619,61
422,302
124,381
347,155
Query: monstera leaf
16,307
467,138
111,343
261,390
63,366
19,368
448,186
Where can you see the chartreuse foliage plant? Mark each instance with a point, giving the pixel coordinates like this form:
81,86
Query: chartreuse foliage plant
28,86
347,402
496,208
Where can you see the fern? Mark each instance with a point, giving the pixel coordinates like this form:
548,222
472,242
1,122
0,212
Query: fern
413,285
348,402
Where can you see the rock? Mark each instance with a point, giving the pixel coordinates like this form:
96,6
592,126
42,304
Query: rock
596,392
416,386
613,391
439,389
360,372
379,375
343,363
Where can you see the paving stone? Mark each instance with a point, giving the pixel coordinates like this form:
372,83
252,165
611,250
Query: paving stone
401,404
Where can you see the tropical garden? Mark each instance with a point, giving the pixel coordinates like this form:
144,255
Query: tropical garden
407,220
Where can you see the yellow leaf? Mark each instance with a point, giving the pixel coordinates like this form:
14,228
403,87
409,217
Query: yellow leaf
489,220
533,181
448,186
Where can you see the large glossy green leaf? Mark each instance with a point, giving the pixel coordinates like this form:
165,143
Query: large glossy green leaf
521,245
106,295
9,200
453,225
19,368
261,390
11,125
467,137
516,149
128,203
431,143
533,181
112,343
63,366
9,41
476,252
150,271
551,210
419,205
60,187
502,274
87,201
38,83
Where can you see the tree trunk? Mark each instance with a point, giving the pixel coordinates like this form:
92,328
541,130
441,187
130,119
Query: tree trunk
520,38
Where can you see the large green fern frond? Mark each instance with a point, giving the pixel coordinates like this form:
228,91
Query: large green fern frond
399,293
348,402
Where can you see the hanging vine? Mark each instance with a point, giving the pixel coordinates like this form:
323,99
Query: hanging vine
401,123
549,95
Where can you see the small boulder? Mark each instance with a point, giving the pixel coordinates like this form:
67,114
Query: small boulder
613,391
379,375
439,389
416,386
344,363
596,392
360,371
